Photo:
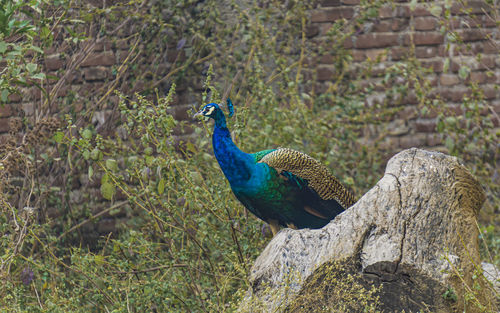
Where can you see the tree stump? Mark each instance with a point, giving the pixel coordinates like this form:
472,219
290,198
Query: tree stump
410,243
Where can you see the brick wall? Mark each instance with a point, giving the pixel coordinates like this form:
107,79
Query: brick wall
390,37
88,72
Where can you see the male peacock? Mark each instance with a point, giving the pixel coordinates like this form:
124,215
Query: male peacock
280,186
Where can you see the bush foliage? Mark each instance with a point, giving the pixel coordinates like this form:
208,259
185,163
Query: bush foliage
186,244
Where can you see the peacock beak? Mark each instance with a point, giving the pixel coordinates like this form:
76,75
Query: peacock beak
199,113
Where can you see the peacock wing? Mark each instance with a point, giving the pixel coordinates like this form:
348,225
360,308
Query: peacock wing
317,175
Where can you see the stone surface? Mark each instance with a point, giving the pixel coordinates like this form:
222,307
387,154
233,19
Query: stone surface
406,236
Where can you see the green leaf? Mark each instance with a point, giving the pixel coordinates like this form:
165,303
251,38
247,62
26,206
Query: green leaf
436,10
161,186
3,46
413,5
36,49
463,72
45,32
446,65
90,172
112,165
58,137
5,95
40,76
96,154
87,134
86,154
31,67
449,143
108,190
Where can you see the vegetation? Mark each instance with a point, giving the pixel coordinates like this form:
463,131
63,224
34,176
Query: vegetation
184,243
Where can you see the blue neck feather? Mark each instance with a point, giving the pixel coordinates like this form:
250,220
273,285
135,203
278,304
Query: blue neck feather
236,164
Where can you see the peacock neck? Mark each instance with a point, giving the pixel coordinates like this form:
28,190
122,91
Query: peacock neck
236,164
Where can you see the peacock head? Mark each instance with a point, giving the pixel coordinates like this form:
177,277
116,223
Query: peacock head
210,110
214,111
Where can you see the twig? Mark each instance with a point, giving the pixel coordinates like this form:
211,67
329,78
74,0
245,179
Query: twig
37,296
152,269
91,218
230,87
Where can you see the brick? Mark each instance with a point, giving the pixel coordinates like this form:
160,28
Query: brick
432,79
386,11
382,26
74,77
425,23
477,77
496,106
99,59
435,65
4,138
103,45
468,35
4,125
389,143
373,54
410,98
312,30
122,44
470,49
330,3
348,43
489,21
351,2
323,28
454,95
376,40
53,63
413,140
474,7
5,110
408,113
327,59
424,38
434,140
495,121
426,52
15,98
491,92
405,11
331,15
358,55
425,125
398,53
490,47
420,10
449,79
325,72
486,63
35,93
399,24
95,73
398,128
28,108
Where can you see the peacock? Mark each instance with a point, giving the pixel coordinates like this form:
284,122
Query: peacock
282,187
